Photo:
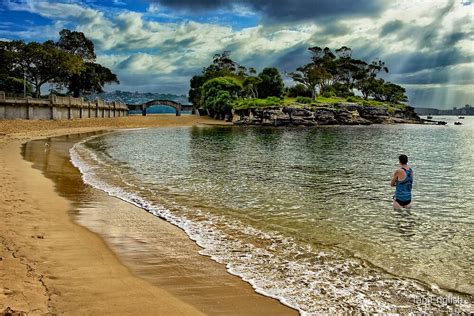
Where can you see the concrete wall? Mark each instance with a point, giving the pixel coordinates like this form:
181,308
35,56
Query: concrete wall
58,108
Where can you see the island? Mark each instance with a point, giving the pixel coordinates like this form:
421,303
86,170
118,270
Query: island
333,88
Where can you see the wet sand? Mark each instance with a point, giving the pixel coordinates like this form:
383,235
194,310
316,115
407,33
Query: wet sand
124,261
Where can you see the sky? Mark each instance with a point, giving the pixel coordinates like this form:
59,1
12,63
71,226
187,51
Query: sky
158,45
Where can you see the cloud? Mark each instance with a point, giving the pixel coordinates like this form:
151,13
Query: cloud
417,61
283,10
391,27
454,74
426,44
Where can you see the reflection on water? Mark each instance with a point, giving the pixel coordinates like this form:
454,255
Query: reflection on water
305,214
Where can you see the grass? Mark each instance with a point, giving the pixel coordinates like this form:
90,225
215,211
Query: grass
257,103
305,102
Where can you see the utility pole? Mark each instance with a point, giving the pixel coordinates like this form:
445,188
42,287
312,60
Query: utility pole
24,84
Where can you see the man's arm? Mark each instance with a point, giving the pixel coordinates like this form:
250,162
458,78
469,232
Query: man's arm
394,178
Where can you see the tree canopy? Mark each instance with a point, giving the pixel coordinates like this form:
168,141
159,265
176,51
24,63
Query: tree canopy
271,83
68,63
226,84
224,81
219,93
338,74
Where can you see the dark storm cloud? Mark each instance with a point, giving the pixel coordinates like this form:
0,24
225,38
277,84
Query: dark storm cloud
391,27
413,62
440,75
454,38
335,28
293,58
284,10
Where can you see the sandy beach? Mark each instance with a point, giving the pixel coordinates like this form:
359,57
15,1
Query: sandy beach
58,255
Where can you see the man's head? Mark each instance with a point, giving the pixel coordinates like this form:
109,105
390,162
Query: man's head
403,159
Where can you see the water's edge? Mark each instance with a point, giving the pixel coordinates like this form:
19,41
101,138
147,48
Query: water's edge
160,213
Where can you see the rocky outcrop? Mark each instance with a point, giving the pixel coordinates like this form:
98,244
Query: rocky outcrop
326,114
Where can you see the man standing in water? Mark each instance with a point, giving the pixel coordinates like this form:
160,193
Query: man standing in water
402,180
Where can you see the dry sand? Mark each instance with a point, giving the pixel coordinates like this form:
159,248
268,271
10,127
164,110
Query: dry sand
50,264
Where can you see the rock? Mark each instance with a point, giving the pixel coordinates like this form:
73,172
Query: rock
297,112
374,114
325,116
347,117
348,106
301,121
331,114
242,121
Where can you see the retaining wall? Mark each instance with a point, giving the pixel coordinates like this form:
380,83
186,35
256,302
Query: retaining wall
58,108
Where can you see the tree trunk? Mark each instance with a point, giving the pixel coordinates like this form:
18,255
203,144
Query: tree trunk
38,90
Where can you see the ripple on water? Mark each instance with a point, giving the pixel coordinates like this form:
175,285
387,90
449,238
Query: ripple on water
304,215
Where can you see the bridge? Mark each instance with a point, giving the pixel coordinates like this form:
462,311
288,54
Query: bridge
177,106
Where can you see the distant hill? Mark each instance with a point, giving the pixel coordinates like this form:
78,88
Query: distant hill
137,97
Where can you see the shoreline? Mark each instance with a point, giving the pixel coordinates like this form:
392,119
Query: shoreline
57,265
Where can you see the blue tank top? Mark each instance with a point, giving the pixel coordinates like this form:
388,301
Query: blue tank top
403,188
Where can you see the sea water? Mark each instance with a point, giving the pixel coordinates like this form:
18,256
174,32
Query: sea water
305,214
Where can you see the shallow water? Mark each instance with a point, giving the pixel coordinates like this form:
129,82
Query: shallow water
305,214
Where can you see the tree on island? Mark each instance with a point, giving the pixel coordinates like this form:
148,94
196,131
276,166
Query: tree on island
222,67
235,81
225,84
271,83
311,76
251,85
298,90
338,74
219,93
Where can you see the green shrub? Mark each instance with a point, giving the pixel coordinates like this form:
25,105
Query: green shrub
304,100
257,103
353,99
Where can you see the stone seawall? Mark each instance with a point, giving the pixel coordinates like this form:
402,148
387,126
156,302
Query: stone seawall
337,114
58,108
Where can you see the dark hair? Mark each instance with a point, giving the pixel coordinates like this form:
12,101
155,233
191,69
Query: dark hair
403,159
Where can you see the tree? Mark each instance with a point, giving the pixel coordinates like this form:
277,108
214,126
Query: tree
194,95
94,76
338,74
91,80
375,67
394,93
365,79
11,76
222,66
298,90
250,85
42,63
271,84
15,85
77,44
218,94
367,86
312,77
